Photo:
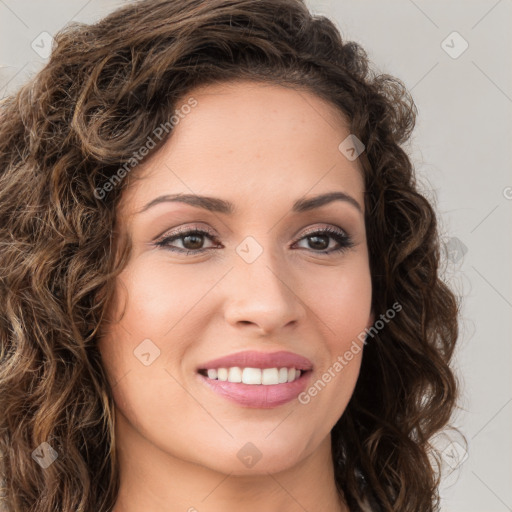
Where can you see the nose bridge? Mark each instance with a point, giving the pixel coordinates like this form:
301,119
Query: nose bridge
261,292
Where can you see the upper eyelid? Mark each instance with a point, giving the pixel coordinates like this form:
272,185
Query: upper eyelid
324,228
180,231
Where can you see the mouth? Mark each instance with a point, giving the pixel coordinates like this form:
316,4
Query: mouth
257,379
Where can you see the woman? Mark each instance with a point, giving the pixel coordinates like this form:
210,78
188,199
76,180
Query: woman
219,281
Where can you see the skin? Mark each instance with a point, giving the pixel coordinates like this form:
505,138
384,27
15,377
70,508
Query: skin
261,147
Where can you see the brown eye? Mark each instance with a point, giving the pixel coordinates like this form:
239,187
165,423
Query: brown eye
319,240
192,241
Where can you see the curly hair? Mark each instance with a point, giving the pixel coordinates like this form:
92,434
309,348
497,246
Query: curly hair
68,130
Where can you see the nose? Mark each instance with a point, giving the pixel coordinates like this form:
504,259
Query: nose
260,296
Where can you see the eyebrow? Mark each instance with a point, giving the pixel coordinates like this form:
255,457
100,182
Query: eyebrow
214,204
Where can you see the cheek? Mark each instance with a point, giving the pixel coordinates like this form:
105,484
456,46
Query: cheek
157,296
156,290
144,390
344,305
152,311
343,302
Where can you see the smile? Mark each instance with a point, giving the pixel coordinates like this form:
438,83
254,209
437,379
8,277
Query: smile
253,376
257,379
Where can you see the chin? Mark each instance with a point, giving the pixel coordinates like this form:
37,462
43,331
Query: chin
257,457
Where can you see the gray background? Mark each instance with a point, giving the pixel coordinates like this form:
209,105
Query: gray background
461,149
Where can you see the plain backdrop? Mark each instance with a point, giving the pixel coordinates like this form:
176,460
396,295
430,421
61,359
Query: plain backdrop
455,57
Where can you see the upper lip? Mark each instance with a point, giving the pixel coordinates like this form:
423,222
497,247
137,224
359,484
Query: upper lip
254,359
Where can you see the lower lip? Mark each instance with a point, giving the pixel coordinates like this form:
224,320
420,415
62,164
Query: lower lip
258,396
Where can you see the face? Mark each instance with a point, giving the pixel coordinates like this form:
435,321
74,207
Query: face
263,275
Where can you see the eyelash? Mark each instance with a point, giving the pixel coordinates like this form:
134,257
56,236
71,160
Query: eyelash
343,240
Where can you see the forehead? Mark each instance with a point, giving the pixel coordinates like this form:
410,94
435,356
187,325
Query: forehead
252,141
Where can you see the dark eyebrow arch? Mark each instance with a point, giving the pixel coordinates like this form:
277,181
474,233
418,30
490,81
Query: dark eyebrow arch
303,205
214,204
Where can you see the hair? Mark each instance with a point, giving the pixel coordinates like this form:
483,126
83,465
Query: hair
63,137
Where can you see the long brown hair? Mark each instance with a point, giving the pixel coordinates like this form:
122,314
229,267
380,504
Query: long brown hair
70,129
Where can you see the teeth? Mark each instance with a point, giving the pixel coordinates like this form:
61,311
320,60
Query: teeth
235,374
270,376
254,376
251,376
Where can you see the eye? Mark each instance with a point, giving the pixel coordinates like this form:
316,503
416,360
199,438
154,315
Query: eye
319,239
192,240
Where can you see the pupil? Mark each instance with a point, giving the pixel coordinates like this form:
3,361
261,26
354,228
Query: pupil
322,237
198,239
